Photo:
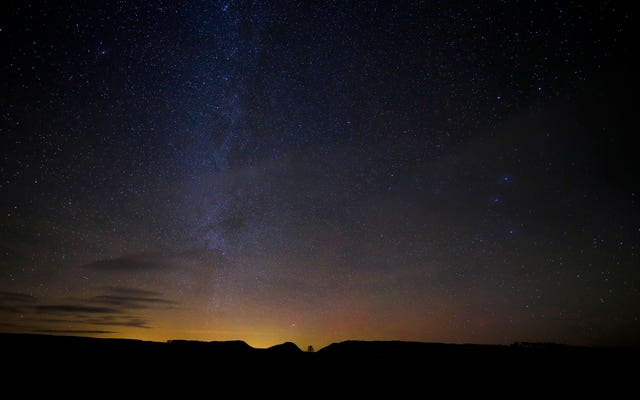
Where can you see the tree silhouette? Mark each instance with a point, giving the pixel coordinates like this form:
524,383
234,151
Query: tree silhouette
310,349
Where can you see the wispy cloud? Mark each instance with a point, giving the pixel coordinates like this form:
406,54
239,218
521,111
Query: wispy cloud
132,301
69,308
9,325
16,297
102,320
127,291
73,331
134,322
132,262
198,256
15,302
10,309
117,306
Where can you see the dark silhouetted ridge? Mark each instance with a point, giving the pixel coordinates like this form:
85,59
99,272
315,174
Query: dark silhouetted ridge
350,369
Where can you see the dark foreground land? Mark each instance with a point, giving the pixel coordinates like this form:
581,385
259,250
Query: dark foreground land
101,368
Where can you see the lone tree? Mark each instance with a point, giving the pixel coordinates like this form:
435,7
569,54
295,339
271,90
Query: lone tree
310,349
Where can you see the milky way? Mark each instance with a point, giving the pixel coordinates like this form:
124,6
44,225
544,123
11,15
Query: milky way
317,172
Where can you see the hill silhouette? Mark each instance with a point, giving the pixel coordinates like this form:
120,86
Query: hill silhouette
285,348
231,347
354,369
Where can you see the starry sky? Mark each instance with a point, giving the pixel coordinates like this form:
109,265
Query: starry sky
320,171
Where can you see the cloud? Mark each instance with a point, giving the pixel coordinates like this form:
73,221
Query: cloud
73,331
116,306
15,302
127,291
102,320
70,308
9,325
132,301
125,298
134,322
152,261
10,309
16,297
132,262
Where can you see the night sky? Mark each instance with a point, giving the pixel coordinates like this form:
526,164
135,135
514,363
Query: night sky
320,171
